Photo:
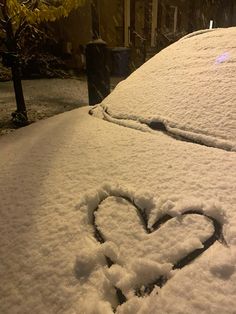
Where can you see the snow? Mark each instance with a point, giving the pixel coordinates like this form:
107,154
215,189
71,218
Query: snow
52,178
69,179
199,32
43,97
190,87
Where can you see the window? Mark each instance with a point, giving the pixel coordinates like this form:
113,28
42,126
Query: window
171,18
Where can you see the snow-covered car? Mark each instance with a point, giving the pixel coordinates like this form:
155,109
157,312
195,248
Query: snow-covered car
128,207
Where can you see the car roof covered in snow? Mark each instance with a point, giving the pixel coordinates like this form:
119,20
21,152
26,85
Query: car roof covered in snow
189,87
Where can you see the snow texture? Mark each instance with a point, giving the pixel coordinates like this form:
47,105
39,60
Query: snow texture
43,97
50,260
190,87
60,174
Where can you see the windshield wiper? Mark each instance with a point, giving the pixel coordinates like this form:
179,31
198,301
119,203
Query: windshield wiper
160,127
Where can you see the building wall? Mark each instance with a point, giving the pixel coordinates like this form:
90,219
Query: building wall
222,12
111,22
74,32
192,15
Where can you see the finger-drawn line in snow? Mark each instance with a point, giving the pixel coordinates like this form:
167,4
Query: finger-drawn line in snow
160,281
160,126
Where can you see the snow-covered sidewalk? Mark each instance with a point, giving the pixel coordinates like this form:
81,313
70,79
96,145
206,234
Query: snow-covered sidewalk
44,98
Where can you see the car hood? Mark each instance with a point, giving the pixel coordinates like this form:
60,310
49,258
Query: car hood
55,173
188,89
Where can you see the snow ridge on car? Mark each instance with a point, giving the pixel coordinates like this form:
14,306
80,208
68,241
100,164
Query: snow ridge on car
199,32
159,125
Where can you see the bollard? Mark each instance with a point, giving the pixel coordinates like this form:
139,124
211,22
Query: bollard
98,73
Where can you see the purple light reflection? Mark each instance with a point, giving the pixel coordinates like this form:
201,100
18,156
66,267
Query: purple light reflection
222,58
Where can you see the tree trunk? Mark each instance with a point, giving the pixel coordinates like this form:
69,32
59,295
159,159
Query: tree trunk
12,60
20,102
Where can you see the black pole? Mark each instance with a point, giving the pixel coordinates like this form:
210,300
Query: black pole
98,72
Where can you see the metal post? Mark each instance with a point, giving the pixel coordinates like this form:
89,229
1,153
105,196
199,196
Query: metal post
98,72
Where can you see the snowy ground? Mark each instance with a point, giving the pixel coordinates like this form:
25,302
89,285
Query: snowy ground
99,218
44,98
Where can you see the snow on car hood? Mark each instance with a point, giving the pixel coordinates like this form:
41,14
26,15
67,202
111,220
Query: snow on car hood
189,87
64,177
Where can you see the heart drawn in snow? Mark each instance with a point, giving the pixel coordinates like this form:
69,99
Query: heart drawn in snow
171,243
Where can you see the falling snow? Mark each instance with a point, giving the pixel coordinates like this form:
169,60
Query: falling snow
71,181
